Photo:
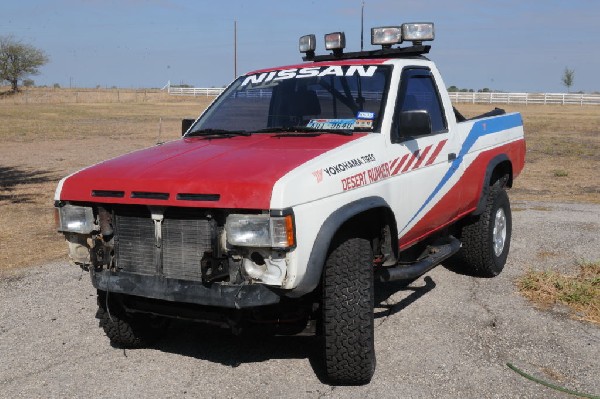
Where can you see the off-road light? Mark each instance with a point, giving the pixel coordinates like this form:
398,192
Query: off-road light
417,32
335,41
260,230
386,35
308,43
75,219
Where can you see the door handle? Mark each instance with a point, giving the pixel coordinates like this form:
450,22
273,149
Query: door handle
451,156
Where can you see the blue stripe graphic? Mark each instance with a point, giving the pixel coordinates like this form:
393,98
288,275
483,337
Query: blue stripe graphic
481,128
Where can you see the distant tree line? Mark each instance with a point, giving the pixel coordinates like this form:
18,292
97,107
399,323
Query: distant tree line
454,89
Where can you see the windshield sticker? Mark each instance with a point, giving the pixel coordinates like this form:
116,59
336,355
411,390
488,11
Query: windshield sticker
283,74
365,115
363,124
336,124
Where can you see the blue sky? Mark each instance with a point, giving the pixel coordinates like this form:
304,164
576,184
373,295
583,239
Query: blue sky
510,45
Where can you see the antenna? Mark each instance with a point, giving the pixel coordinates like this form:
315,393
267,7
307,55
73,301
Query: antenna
235,49
362,24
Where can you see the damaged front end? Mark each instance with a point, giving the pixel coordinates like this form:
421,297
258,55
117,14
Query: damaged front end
198,256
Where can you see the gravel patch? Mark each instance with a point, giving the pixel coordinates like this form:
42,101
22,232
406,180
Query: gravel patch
445,335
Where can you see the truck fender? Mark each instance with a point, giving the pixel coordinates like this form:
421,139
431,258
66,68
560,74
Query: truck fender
318,255
486,186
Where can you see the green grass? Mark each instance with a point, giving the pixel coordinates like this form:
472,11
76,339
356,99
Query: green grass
581,292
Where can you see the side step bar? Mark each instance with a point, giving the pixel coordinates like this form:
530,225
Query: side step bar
433,256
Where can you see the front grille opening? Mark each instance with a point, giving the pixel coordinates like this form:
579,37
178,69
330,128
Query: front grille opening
187,237
135,240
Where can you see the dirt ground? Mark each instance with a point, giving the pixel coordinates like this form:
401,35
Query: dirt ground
43,142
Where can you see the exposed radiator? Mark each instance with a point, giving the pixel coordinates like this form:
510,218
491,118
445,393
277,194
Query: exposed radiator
185,239
134,238
186,236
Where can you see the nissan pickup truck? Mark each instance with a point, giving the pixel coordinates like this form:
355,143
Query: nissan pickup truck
295,191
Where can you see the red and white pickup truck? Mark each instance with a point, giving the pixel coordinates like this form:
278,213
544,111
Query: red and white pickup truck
291,194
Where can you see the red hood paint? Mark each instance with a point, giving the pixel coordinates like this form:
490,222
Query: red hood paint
242,170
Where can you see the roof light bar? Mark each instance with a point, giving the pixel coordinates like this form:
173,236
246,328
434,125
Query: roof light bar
335,41
386,36
308,43
418,32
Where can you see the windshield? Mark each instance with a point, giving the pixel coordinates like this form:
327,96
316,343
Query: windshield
336,97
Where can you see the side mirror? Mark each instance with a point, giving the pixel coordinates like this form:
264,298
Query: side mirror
186,124
415,123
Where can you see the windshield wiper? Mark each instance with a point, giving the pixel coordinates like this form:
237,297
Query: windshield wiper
304,129
218,132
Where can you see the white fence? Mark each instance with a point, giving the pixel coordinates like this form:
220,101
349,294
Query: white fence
525,98
456,97
194,91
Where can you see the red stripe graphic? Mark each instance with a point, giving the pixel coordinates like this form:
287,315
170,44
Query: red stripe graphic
422,157
412,159
393,163
436,152
395,171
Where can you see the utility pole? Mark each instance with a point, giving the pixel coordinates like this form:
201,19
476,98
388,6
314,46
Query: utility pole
234,49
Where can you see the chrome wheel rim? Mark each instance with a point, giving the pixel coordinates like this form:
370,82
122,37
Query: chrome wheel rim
499,232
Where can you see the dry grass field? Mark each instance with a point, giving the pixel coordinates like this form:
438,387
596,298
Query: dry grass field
44,140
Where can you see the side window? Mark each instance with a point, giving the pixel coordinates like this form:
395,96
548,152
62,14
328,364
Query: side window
418,92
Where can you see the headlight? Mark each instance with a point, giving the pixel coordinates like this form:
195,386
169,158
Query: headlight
75,219
260,230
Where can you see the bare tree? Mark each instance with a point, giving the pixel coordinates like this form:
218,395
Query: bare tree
568,78
19,60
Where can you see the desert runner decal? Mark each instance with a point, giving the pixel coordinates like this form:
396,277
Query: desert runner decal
298,73
410,161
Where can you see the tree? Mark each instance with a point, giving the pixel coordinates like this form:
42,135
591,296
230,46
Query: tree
19,60
568,78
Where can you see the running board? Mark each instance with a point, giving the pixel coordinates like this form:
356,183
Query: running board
434,255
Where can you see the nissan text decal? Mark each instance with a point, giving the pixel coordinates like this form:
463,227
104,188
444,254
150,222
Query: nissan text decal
298,73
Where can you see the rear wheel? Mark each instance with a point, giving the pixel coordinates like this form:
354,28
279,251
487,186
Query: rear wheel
486,237
348,326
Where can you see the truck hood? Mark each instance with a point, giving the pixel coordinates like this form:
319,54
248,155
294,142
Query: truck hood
236,172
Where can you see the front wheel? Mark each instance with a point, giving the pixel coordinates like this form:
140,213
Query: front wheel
486,237
348,300
128,330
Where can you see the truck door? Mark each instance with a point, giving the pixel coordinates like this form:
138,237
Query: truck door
422,164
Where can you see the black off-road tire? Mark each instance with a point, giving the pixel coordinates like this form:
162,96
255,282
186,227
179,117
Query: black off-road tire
478,255
348,326
129,331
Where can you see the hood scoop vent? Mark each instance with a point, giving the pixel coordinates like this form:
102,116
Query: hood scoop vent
198,197
149,195
108,194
